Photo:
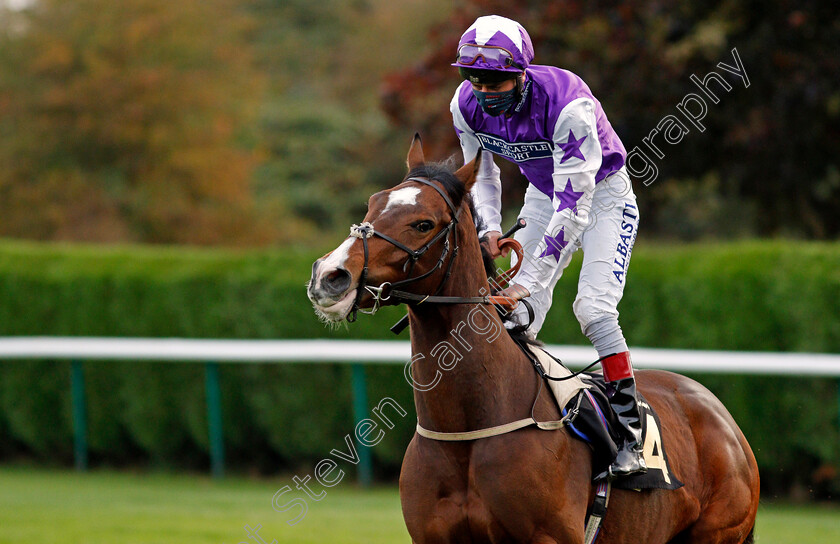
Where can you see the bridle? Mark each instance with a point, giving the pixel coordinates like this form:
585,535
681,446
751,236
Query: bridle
387,290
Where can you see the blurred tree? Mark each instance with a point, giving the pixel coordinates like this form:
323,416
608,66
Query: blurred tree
772,146
327,144
223,122
139,119
128,121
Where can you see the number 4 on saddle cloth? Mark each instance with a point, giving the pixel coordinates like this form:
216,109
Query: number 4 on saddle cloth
594,421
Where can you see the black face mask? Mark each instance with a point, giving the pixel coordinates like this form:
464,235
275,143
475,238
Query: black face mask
497,102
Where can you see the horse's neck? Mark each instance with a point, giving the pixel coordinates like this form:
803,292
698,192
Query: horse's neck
468,372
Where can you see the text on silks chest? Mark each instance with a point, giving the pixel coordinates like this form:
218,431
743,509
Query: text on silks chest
517,152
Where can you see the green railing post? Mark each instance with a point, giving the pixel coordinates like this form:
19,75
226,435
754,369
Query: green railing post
77,393
214,420
360,412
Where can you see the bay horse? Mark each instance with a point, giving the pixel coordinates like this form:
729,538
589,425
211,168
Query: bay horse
528,486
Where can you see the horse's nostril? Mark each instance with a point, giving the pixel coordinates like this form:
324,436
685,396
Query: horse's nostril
336,282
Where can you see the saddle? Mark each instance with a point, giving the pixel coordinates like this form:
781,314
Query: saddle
593,421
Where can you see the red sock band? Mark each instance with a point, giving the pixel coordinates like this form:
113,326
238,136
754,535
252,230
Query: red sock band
617,367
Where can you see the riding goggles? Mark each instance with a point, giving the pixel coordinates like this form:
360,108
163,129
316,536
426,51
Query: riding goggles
493,56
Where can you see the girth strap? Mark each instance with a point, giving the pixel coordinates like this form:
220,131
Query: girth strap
493,431
599,510
505,428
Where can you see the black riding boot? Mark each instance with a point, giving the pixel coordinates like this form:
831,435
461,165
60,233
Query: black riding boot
623,400
621,391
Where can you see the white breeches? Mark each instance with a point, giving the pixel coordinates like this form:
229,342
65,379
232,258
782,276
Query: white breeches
607,244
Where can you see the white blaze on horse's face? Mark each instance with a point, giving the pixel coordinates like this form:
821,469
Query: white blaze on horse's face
330,289
337,258
407,196
333,286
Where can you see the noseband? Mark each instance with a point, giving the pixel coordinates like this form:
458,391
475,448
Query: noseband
386,290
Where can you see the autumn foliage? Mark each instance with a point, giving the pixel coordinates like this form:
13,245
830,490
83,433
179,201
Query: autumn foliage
127,121
254,122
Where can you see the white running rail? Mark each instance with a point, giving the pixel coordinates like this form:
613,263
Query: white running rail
392,352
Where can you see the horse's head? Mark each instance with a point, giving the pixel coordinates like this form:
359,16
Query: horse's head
407,240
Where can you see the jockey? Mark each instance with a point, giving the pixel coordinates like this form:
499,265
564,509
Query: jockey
547,121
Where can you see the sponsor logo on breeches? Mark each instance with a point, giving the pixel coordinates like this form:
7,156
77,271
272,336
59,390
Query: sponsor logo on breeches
630,217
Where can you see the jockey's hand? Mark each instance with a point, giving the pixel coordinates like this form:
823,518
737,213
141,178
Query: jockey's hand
516,291
491,243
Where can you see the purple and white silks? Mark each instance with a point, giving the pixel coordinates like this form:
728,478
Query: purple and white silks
564,145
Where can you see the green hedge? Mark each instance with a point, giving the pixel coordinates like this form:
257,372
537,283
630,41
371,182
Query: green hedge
743,296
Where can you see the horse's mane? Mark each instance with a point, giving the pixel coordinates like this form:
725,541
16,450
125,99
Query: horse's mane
443,172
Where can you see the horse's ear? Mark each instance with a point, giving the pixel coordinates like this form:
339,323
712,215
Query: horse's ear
467,173
415,157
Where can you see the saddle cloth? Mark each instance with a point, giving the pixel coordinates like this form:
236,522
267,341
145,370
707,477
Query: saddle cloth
596,425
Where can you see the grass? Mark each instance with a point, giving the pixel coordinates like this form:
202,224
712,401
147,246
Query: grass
39,506
783,524
60,507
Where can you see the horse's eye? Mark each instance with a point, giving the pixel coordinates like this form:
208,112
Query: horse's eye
423,226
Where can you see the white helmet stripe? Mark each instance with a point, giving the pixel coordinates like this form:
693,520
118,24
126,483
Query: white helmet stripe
486,27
